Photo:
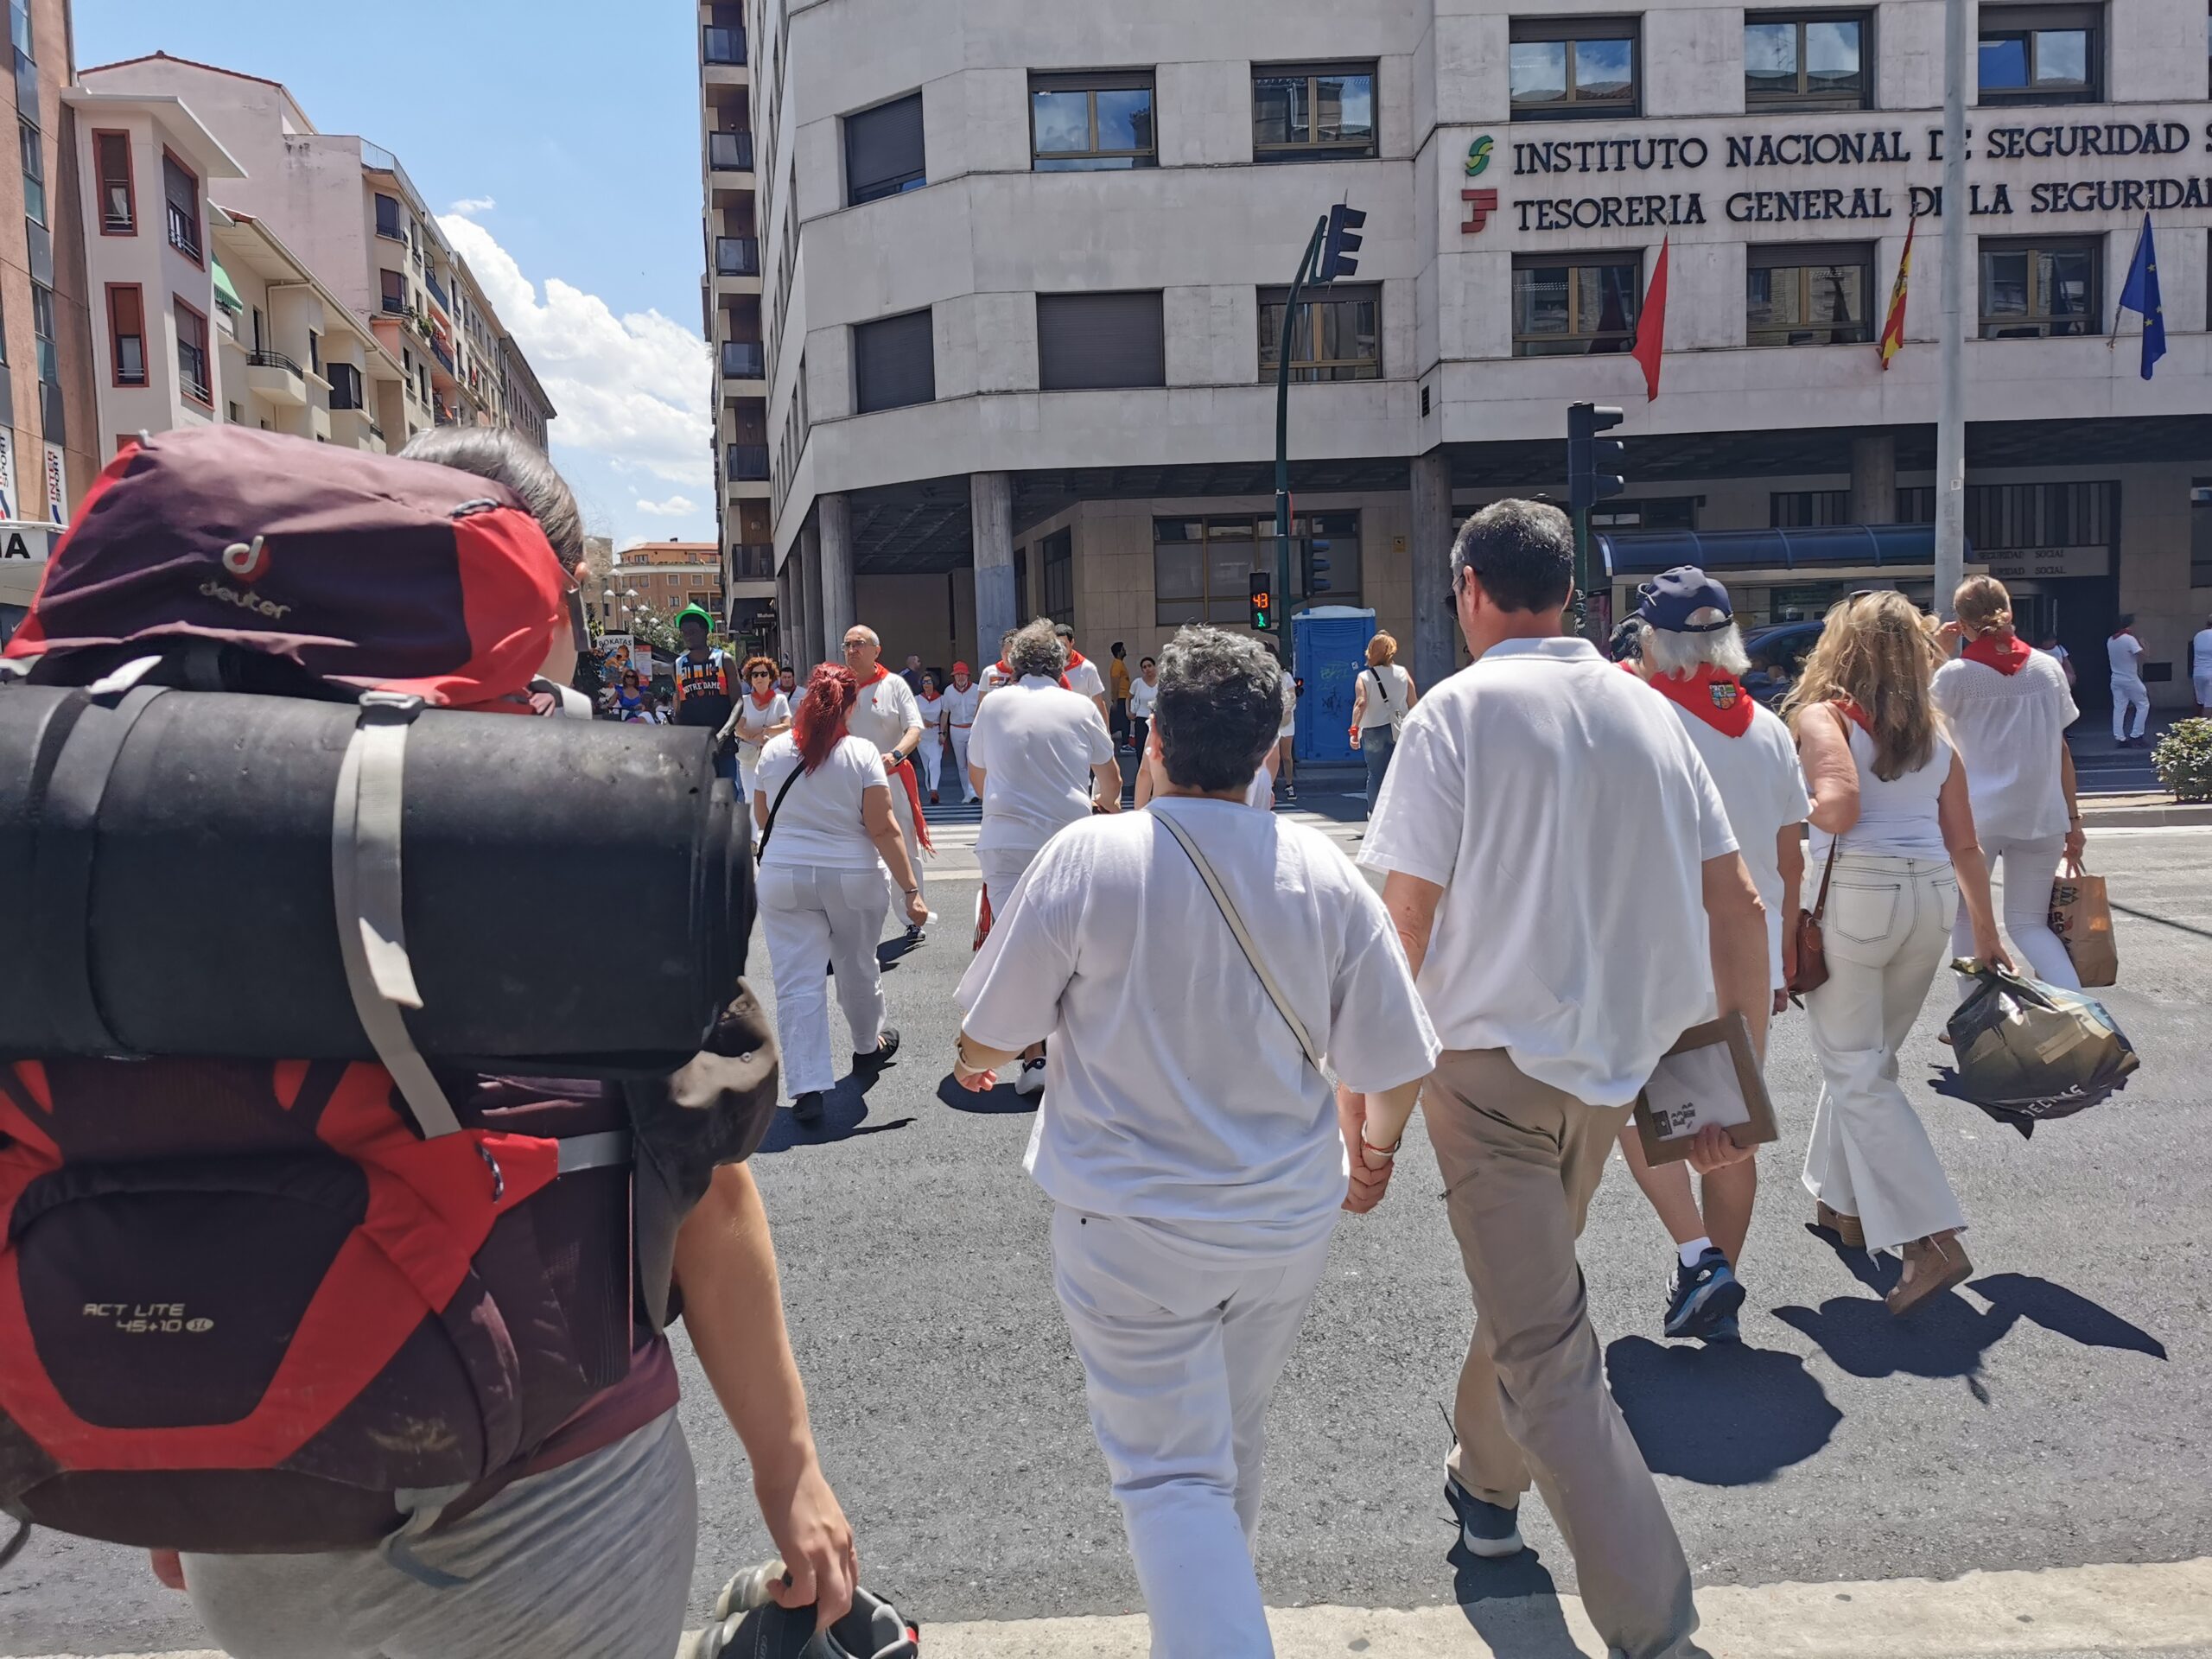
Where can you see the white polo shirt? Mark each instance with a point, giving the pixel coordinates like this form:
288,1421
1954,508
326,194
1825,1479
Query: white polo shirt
884,712
1564,811
1036,745
1177,1095
962,705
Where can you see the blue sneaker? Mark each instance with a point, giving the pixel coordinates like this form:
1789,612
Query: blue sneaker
1488,1530
1725,1330
1703,1296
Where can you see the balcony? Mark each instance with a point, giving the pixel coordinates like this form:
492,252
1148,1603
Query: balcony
444,354
729,152
184,231
737,256
753,561
437,291
744,359
277,378
723,47
745,463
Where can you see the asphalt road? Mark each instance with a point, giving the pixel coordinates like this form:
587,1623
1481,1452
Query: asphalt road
2053,1413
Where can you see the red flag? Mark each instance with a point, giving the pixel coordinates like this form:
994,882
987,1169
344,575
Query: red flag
1651,325
1893,328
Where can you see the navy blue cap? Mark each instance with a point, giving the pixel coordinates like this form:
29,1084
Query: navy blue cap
1685,601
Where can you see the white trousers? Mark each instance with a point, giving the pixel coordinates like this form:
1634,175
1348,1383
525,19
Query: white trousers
2128,692
1180,1355
960,763
809,916
2029,869
931,758
1887,927
902,814
1003,867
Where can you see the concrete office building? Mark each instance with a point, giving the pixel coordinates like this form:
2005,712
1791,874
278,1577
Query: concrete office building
1023,272
730,301
349,213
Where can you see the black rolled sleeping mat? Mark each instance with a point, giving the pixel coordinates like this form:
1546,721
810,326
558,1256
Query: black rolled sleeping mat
575,892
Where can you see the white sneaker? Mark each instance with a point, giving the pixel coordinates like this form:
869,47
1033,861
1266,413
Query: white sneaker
1032,1080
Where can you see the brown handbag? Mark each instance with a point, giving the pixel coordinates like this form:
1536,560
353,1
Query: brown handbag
1812,970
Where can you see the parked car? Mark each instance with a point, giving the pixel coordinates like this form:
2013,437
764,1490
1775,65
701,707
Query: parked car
1777,653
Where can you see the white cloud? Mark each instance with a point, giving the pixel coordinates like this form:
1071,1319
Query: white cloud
474,205
632,390
675,507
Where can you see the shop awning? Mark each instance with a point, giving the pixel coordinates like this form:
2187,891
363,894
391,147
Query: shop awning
1647,552
226,295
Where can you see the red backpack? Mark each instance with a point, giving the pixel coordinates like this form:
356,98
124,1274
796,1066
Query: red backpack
274,1305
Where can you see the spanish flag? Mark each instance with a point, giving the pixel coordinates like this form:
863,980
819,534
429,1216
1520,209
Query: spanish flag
1893,330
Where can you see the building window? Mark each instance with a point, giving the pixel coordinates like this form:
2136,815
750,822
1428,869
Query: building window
118,194
192,355
390,224
395,293
1312,113
1568,68
1665,512
1808,509
1575,305
2033,289
1336,336
1809,296
1091,122
1057,550
43,329
1813,60
2041,55
883,150
180,189
237,414
34,172
1099,340
2008,517
2200,532
894,362
126,333
346,386
1021,611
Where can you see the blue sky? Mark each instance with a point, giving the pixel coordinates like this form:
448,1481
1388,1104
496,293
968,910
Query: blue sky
570,133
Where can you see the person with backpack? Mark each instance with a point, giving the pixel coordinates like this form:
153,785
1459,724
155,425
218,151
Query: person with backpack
1375,718
1196,1181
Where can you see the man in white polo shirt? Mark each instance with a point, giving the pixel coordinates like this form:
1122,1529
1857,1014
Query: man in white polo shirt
1560,868
1197,1159
888,714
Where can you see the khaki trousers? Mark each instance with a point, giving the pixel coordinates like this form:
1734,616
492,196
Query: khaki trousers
1520,1161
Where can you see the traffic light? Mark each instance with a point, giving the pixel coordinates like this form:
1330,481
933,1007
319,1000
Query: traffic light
1593,462
1263,604
1341,244
1317,567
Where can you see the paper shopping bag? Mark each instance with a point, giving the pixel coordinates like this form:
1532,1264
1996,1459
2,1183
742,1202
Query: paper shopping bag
2080,917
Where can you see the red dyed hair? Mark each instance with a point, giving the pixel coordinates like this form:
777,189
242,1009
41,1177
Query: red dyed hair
819,725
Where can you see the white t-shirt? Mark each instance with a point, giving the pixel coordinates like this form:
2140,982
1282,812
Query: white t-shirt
2200,664
1567,815
1036,745
1141,698
1176,1094
819,823
1898,817
2009,730
1388,702
1763,787
883,712
2126,653
1083,678
933,716
1261,792
961,705
752,719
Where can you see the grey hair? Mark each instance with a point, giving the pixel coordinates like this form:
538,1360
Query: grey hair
1685,653
1037,650
496,452
1221,703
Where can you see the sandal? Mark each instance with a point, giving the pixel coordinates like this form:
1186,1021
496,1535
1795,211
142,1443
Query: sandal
1932,1266
1846,1228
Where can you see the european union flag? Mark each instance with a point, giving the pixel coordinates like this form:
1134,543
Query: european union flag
2141,297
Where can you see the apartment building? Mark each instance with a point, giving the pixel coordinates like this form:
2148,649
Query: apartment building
48,429
348,210
1025,273
730,293
658,579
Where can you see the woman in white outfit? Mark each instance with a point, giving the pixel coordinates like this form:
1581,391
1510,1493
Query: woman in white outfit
1386,693
762,712
822,813
2007,708
931,755
2129,694
1890,802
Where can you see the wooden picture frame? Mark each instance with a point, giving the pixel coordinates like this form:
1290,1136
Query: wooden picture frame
1738,1088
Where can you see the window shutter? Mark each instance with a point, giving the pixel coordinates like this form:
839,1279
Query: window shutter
883,148
894,362
1100,340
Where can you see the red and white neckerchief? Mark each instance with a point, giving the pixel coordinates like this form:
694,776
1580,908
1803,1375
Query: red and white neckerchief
761,702
1006,674
1712,695
2007,655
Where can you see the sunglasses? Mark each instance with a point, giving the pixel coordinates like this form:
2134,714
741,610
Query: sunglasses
759,674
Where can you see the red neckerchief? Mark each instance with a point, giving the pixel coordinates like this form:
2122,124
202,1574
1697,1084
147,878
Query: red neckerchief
2007,654
1076,659
1714,695
1846,706
881,673
1000,666
759,701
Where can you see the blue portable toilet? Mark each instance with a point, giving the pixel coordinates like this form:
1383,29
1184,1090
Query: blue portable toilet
1329,647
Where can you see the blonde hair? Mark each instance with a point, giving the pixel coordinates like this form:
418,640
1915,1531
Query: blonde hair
1983,605
1876,652
1381,649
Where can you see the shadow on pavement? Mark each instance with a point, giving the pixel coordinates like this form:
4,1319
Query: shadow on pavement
1721,1414
844,1117
1512,1605
1001,1102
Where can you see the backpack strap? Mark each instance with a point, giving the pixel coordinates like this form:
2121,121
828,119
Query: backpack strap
366,884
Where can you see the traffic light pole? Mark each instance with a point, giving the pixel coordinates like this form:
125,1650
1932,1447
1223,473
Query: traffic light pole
1282,425
1587,621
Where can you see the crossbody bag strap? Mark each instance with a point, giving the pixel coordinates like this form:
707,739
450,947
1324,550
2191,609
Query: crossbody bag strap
1229,913
1384,688
776,806
1828,869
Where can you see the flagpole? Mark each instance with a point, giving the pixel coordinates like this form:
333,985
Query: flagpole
1951,413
